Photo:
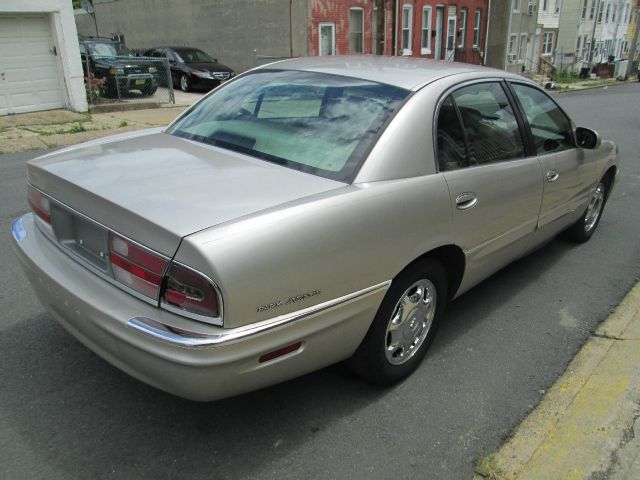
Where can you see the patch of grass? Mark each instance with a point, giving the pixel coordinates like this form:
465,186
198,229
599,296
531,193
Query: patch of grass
77,128
52,145
123,123
484,467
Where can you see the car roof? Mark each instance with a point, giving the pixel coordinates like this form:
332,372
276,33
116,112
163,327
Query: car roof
175,47
409,73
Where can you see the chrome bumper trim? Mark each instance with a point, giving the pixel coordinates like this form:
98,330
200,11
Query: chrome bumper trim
189,339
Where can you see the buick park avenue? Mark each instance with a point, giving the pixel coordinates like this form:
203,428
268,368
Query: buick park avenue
306,212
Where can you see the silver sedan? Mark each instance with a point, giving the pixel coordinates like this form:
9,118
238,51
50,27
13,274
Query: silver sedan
307,212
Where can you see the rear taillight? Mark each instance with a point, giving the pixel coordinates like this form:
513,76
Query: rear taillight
190,291
135,266
39,204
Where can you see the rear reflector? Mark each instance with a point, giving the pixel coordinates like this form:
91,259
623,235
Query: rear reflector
190,291
280,352
39,204
136,267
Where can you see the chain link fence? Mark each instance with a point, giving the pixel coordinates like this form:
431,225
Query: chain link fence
128,79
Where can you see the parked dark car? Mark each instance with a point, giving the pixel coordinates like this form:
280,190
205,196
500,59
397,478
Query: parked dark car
191,68
112,60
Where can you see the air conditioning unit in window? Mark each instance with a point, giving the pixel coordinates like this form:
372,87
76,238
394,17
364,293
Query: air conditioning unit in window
531,9
511,57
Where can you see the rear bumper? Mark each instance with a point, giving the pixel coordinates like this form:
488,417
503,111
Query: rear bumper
221,363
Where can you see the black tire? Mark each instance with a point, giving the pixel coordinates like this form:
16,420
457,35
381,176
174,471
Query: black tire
379,359
185,82
583,229
148,91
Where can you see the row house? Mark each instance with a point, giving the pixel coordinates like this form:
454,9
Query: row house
514,39
601,33
419,28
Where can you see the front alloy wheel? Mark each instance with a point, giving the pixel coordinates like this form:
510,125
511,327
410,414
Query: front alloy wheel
594,209
583,229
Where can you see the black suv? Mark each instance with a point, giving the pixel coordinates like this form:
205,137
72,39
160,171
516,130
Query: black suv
113,61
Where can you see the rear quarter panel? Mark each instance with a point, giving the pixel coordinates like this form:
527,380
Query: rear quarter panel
336,243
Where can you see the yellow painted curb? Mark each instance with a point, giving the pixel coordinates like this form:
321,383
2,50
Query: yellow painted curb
585,416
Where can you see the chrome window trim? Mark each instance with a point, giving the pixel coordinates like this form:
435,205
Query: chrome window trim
48,233
189,339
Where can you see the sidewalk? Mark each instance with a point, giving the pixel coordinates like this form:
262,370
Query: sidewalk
59,128
584,427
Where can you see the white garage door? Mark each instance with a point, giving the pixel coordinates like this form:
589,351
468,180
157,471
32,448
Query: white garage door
29,78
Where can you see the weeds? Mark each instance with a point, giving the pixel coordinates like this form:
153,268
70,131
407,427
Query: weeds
123,123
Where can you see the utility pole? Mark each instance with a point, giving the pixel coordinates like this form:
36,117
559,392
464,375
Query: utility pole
634,42
593,35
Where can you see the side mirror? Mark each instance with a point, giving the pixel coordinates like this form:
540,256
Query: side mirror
587,138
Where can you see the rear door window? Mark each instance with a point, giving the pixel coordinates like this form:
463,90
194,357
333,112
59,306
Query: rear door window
489,123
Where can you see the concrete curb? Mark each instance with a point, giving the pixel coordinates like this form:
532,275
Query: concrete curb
606,85
588,414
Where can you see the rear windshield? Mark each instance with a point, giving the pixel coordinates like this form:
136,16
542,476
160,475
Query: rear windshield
317,123
191,55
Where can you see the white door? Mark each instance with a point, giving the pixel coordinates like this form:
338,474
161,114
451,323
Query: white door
327,39
29,78
451,35
438,43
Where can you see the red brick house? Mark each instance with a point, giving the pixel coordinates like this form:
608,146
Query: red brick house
419,28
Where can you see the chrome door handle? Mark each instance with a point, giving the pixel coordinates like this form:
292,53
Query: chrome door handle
466,200
552,176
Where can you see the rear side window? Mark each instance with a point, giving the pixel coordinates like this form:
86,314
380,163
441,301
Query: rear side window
452,152
477,125
489,123
550,127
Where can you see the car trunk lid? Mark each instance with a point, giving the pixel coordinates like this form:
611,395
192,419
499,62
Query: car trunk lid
156,188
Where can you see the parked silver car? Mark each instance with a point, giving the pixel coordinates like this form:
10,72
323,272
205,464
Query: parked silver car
307,212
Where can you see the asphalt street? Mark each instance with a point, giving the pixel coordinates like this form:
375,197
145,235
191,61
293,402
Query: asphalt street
67,414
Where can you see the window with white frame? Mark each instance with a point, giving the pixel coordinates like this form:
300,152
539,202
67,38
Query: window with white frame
407,14
374,30
516,5
451,32
545,5
587,49
600,12
578,46
606,15
613,15
522,51
462,32
356,30
547,43
425,46
476,28
584,9
556,6
513,39
592,10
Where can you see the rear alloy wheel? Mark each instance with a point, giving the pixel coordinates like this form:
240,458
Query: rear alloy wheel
185,83
582,230
404,325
